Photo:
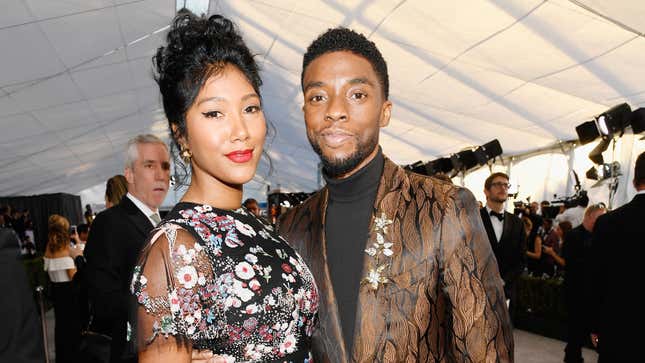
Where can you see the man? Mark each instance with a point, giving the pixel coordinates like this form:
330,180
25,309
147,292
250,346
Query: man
21,338
83,231
401,260
252,206
576,251
617,250
505,234
118,234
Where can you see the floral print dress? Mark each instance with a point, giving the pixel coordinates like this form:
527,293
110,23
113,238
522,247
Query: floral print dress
225,281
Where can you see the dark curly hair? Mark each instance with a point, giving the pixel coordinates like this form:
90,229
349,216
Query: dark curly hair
197,48
343,39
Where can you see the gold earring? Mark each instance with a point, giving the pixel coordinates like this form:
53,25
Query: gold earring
186,155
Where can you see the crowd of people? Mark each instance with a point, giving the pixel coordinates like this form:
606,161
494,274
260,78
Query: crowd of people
382,264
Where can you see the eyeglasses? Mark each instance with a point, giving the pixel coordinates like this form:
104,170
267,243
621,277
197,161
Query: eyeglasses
501,185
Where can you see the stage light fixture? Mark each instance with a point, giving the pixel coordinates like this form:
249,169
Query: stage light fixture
614,120
596,154
463,160
587,132
592,173
488,151
603,172
638,121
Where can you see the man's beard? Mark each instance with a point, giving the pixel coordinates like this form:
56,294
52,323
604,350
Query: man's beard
334,167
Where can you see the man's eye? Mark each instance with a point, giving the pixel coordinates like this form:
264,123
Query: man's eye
316,98
359,95
212,114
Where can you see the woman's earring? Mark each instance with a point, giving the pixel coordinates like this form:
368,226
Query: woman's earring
186,155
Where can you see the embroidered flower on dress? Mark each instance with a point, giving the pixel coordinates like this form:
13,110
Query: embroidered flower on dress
187,276
244,228
244,270
288,345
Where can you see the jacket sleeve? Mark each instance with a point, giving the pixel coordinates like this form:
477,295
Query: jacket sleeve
480,323
599,270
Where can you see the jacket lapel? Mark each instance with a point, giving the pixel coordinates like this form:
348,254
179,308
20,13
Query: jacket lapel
488,225
136,216
368,300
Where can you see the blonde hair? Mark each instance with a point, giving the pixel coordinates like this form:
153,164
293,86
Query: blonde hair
57,233
115,188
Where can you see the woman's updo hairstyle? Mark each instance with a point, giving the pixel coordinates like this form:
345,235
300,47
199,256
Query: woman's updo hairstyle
198,48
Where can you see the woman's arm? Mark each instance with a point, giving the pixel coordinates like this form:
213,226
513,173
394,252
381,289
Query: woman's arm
536,254
171,353
559,260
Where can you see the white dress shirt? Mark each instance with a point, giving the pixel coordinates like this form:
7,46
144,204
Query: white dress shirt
498,226
143,208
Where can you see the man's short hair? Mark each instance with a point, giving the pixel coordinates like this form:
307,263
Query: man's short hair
132,150
489,181
249,201
639,170
343,39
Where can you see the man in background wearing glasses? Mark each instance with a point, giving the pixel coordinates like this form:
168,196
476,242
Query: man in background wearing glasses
505,233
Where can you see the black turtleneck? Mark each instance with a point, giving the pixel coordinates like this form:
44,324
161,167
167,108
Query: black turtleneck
349,211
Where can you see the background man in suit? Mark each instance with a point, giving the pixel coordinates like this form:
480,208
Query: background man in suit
400,259
617,259
576,251
118,234
505,233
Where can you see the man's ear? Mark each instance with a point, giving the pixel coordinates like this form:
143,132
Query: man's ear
129,175
386,113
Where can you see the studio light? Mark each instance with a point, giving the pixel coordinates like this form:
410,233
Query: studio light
463,160
603,172
587,132
638,120
614,120
488,151
596,154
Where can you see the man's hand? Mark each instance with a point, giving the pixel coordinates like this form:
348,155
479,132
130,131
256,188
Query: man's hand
594,340
206,356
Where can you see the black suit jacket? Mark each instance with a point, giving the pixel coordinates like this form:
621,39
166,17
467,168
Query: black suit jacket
618,247
510,251
116,237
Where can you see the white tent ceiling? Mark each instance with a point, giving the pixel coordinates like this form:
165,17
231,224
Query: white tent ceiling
75,77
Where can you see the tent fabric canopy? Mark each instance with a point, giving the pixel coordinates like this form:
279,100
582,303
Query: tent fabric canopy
76,78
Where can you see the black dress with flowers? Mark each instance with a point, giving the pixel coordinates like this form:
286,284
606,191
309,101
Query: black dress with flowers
225,281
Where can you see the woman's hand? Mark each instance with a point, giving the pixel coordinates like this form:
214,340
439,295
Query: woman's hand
548,250
75,251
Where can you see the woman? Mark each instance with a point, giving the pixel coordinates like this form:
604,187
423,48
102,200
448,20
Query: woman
214,276
60,267
560,231
115,188
533,247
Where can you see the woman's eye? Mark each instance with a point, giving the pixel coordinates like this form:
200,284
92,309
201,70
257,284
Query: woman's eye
212,114
252,109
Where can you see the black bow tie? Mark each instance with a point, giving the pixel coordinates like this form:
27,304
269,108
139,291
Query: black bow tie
499,216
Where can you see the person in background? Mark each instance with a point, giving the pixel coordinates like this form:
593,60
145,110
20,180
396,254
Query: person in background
506,233
117,236
115,189
574,214
576,251
252,206
617,260
561,231
60,267
21,338
89,214
533,248
83,231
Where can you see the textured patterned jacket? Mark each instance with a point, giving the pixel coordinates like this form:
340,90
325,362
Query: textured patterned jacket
442,298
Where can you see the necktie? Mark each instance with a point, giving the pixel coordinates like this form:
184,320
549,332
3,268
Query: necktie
499,216
155,217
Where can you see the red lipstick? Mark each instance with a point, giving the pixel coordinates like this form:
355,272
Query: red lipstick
240,156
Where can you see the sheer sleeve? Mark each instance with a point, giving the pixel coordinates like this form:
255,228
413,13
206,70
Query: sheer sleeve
171,291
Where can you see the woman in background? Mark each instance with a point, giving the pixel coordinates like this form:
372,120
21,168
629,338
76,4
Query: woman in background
60,267
115,188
